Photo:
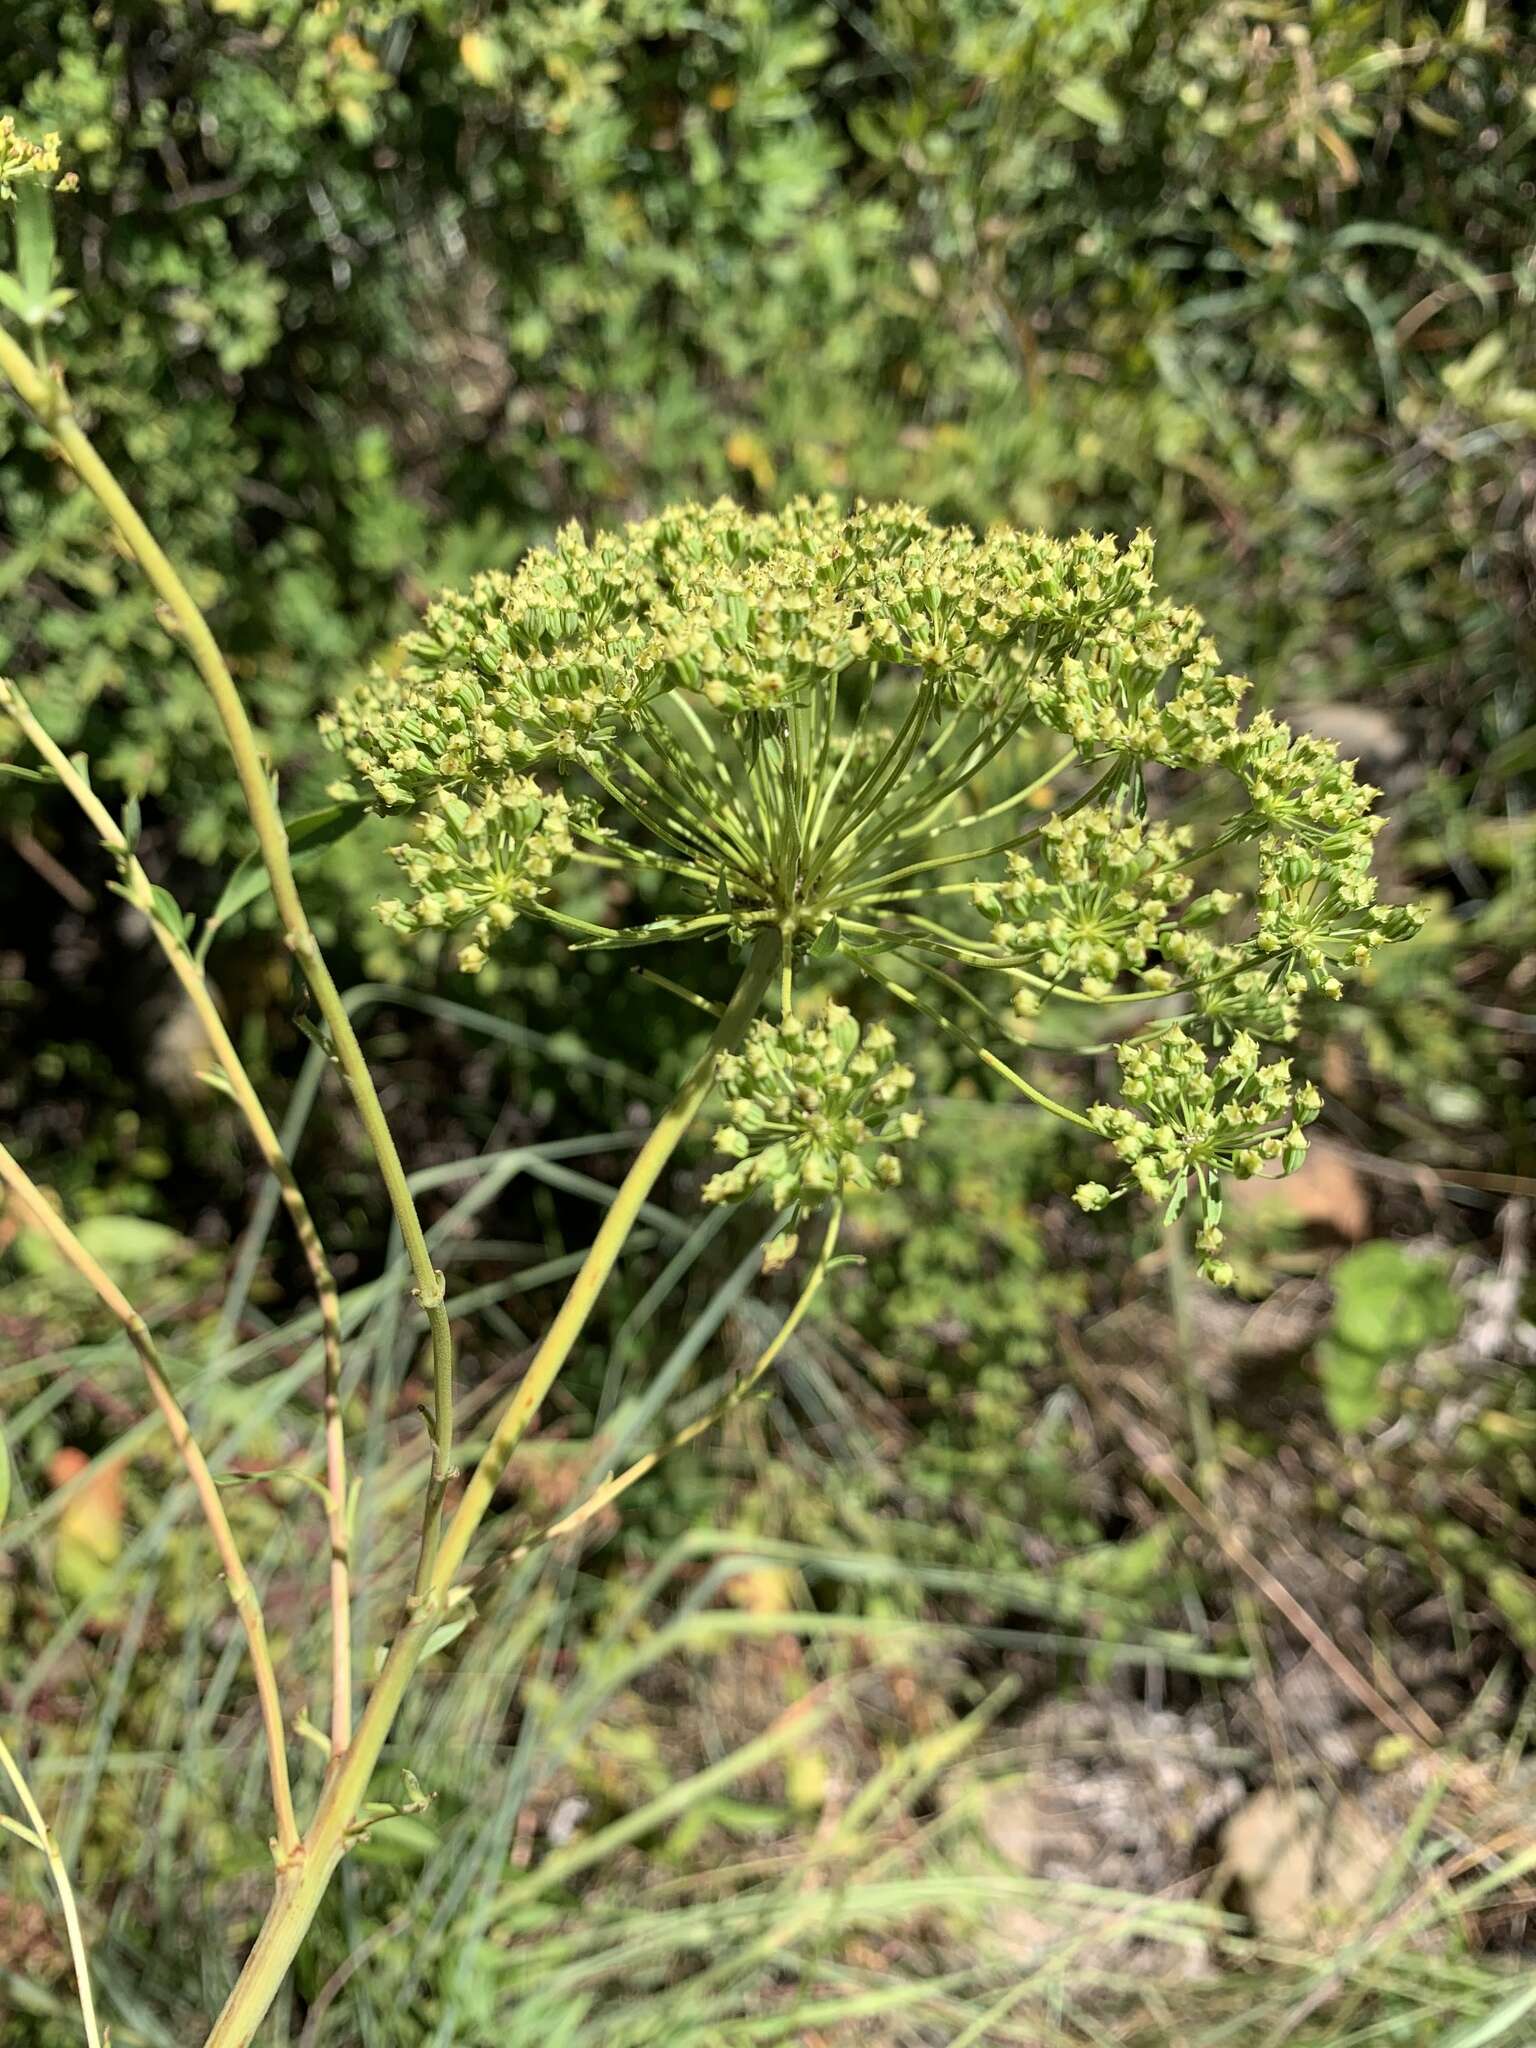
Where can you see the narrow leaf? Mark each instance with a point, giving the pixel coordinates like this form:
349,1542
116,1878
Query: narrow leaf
12,297
168,912
34,249
250,879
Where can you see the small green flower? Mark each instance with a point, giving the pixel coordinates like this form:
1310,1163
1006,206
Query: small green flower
544,664
1317,912
26,162
1298,787
1185,1121
1093,901
812,1112
482,865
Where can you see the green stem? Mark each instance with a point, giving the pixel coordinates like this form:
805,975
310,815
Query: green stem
302,1885
606,1246
45,395
609,1491
194,984
989,1059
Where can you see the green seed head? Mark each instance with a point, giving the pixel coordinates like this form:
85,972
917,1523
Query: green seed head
935,757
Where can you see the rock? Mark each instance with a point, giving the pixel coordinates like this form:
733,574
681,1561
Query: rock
1361,732
1324,1193
1123,1798
1305,1864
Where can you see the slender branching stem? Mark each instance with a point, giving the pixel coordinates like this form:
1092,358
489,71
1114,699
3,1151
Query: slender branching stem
194,985
43,392
987,1057
620,1482
606,1245
47,1219
41,1836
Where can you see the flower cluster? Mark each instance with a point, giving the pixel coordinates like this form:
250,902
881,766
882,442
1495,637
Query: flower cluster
24,162
832,731
1094,901
1185,1120
482,864
544,664
812,1110
1299,788
1317,911
1145,685
554,661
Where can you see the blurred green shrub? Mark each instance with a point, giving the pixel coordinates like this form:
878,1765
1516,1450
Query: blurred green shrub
1388,1306
392,287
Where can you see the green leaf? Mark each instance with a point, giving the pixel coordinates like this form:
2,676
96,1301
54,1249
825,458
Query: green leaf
1351,1383
1387,1302
12,297
168,912
1395,235
447,1633
398,1838
130,1240
5,1479
318,1035
1387,1307
324,827
34,249
250,879
1515,1597
1497,2027
1087,98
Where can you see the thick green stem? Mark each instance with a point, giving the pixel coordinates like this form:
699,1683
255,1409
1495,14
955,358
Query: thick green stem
302,1885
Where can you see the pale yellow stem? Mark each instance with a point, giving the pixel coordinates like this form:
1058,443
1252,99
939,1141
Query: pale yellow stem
241,1592
42,390
43,1838
189,974
620,1482
301,1888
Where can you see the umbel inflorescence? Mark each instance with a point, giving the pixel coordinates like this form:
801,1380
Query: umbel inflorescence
931,754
